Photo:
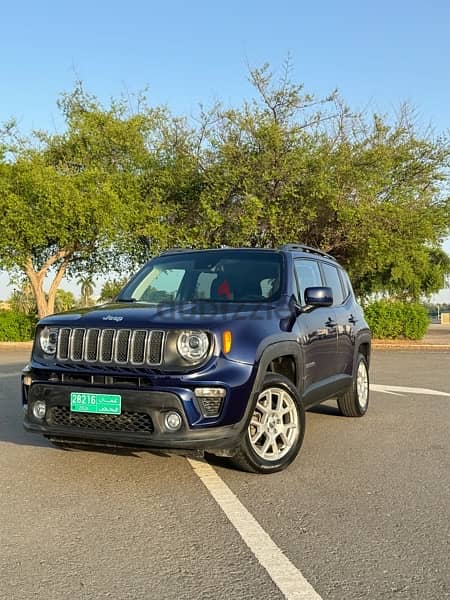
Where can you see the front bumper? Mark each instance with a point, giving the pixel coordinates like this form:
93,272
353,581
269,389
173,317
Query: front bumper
143,411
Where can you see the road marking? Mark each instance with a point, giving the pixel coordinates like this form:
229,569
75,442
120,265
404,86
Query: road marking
398,389
283,573
6,375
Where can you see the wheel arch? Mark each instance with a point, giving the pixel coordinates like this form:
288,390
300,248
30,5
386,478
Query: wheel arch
363,346
278,357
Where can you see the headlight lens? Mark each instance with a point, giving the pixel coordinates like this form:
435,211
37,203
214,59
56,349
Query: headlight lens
48,339
193,346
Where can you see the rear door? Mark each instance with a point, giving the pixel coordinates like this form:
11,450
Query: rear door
345,320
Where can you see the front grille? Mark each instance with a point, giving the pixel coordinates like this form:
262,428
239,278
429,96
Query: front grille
111,346
135,422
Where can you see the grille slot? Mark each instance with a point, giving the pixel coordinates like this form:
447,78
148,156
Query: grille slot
111,346
122,339
76,344
63,344
155,347
92,344
138,340
135,422
106,345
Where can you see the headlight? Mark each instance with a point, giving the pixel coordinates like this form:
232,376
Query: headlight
48,338
193,346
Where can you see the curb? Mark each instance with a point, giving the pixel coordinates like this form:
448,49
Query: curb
16,345
409,346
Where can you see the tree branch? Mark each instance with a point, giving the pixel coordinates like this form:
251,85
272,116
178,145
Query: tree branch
65,253
57,280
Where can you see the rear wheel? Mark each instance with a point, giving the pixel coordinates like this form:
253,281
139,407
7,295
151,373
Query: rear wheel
355,402
275,432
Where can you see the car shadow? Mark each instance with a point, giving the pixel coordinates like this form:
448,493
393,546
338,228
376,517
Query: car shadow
326,409
13,432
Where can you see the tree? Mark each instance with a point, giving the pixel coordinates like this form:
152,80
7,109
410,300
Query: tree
125,181
64,300
65,201
22,300
110,289
87,291
54,223
290,167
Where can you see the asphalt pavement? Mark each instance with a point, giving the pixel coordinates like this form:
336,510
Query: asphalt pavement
363,512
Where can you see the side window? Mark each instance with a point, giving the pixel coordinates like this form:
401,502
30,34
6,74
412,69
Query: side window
308,275
333,281
345,284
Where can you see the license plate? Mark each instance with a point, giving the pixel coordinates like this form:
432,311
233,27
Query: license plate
105,404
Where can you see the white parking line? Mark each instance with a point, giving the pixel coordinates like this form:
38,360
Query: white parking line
283,573
398,389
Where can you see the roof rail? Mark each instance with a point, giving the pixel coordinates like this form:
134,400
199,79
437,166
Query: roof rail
173,250
309,249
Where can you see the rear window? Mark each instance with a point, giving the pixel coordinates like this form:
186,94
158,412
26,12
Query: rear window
217,276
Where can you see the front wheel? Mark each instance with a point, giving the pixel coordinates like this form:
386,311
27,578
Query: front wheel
275,432
355,402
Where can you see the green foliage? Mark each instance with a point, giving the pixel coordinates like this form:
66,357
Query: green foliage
16,327
110,289
123,182
22,300
87,290
395,319
65,300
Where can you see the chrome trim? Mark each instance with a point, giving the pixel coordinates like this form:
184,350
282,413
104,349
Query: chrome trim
89,332
60,333
116,338
147,334
115,334
72,336
100,359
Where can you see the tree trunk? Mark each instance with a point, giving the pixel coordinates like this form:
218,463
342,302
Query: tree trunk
36,282
46,303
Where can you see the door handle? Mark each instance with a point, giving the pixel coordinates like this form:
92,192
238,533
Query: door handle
352,320
330,323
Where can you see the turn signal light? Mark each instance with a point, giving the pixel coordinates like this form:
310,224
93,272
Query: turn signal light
227,340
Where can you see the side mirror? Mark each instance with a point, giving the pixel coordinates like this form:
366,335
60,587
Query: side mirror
319,296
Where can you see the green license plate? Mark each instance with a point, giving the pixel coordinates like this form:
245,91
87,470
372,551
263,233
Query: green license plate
105,404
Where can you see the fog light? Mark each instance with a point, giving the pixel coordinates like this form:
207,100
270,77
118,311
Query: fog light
172,421
39,409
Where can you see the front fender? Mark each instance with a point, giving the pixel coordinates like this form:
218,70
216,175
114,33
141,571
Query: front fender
275,350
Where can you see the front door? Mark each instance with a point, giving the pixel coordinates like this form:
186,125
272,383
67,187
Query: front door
317,332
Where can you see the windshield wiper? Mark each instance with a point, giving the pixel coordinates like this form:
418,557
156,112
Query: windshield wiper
126,300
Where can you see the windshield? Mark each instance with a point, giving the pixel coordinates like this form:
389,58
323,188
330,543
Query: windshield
214,276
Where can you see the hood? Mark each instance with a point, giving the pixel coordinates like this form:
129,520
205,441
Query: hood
140,315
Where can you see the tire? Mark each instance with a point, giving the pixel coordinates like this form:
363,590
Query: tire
355,402
262,448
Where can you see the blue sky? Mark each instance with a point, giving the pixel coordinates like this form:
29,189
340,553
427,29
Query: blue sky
378,54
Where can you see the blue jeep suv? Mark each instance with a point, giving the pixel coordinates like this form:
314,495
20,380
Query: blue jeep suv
220,350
